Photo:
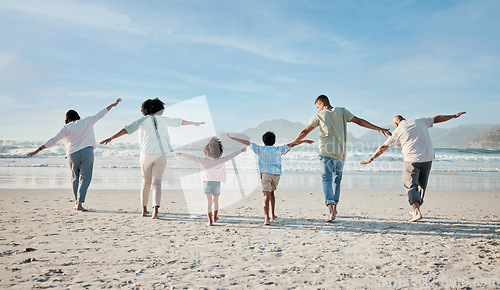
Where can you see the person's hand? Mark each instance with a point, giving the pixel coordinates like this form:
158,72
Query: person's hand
199,123
385,132
177,154
307,141
459,114
117,101
36,151
364,162
105,141
243,149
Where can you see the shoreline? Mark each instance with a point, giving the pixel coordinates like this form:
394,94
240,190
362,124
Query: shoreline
44,243
175,179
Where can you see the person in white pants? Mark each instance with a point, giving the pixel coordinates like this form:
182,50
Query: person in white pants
155,143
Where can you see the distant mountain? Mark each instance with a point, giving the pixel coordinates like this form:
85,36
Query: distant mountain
457,137
488,140
285,131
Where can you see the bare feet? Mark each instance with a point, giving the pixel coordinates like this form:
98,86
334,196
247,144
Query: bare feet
155,213
415,215
145,211
79,206
275,218
209,224
266,221
332,217
216,219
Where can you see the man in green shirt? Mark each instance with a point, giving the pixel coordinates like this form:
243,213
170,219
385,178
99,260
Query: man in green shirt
332,124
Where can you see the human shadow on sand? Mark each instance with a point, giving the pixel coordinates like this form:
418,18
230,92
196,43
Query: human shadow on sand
435,226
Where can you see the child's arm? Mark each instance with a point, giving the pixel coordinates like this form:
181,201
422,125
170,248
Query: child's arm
242,141
232,155
190,157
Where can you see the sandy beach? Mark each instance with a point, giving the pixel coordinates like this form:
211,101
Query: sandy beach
46,244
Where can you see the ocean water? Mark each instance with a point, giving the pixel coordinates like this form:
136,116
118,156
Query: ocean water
117,166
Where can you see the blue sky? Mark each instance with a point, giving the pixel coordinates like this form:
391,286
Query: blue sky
253,60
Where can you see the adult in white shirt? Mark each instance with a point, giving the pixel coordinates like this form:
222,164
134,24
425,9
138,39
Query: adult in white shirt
155,143
412,136
78,137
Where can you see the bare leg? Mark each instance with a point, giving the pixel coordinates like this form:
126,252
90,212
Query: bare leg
155,212
144,210
333,212
209,209
273,205
216,208
267,200
415,213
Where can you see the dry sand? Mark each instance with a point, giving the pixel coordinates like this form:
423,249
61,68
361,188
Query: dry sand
44,243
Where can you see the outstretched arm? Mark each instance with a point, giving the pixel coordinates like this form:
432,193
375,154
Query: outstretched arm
377,153
366,124
303,133
119,134
444,118
190,157
37,150
242,141
114,104
184,122
295,143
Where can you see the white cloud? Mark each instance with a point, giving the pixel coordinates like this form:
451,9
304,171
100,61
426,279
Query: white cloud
76,12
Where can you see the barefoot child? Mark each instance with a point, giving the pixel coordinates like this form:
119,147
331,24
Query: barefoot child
213,172
270,167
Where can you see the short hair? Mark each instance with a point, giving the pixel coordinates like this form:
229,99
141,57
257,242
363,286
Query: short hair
398,117
152,106
324,99
214,148
269,138
71,116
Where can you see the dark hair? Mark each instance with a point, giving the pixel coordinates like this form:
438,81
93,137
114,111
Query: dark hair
71,116
214,148
324,99
152,106
269,138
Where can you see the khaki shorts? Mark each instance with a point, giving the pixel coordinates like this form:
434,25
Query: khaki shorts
269,181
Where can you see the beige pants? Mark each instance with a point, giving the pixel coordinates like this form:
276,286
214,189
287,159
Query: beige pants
152,168
269,181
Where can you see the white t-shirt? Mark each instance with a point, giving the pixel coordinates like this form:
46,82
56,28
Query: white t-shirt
148,138
77,135
414,139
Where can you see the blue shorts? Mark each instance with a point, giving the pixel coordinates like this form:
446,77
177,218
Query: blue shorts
211,187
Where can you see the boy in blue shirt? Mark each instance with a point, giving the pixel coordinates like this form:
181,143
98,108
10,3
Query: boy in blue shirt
270,167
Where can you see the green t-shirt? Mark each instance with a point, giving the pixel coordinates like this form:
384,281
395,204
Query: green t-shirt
332,131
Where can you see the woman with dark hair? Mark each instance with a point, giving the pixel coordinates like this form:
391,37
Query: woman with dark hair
213,171
78,137
155,143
